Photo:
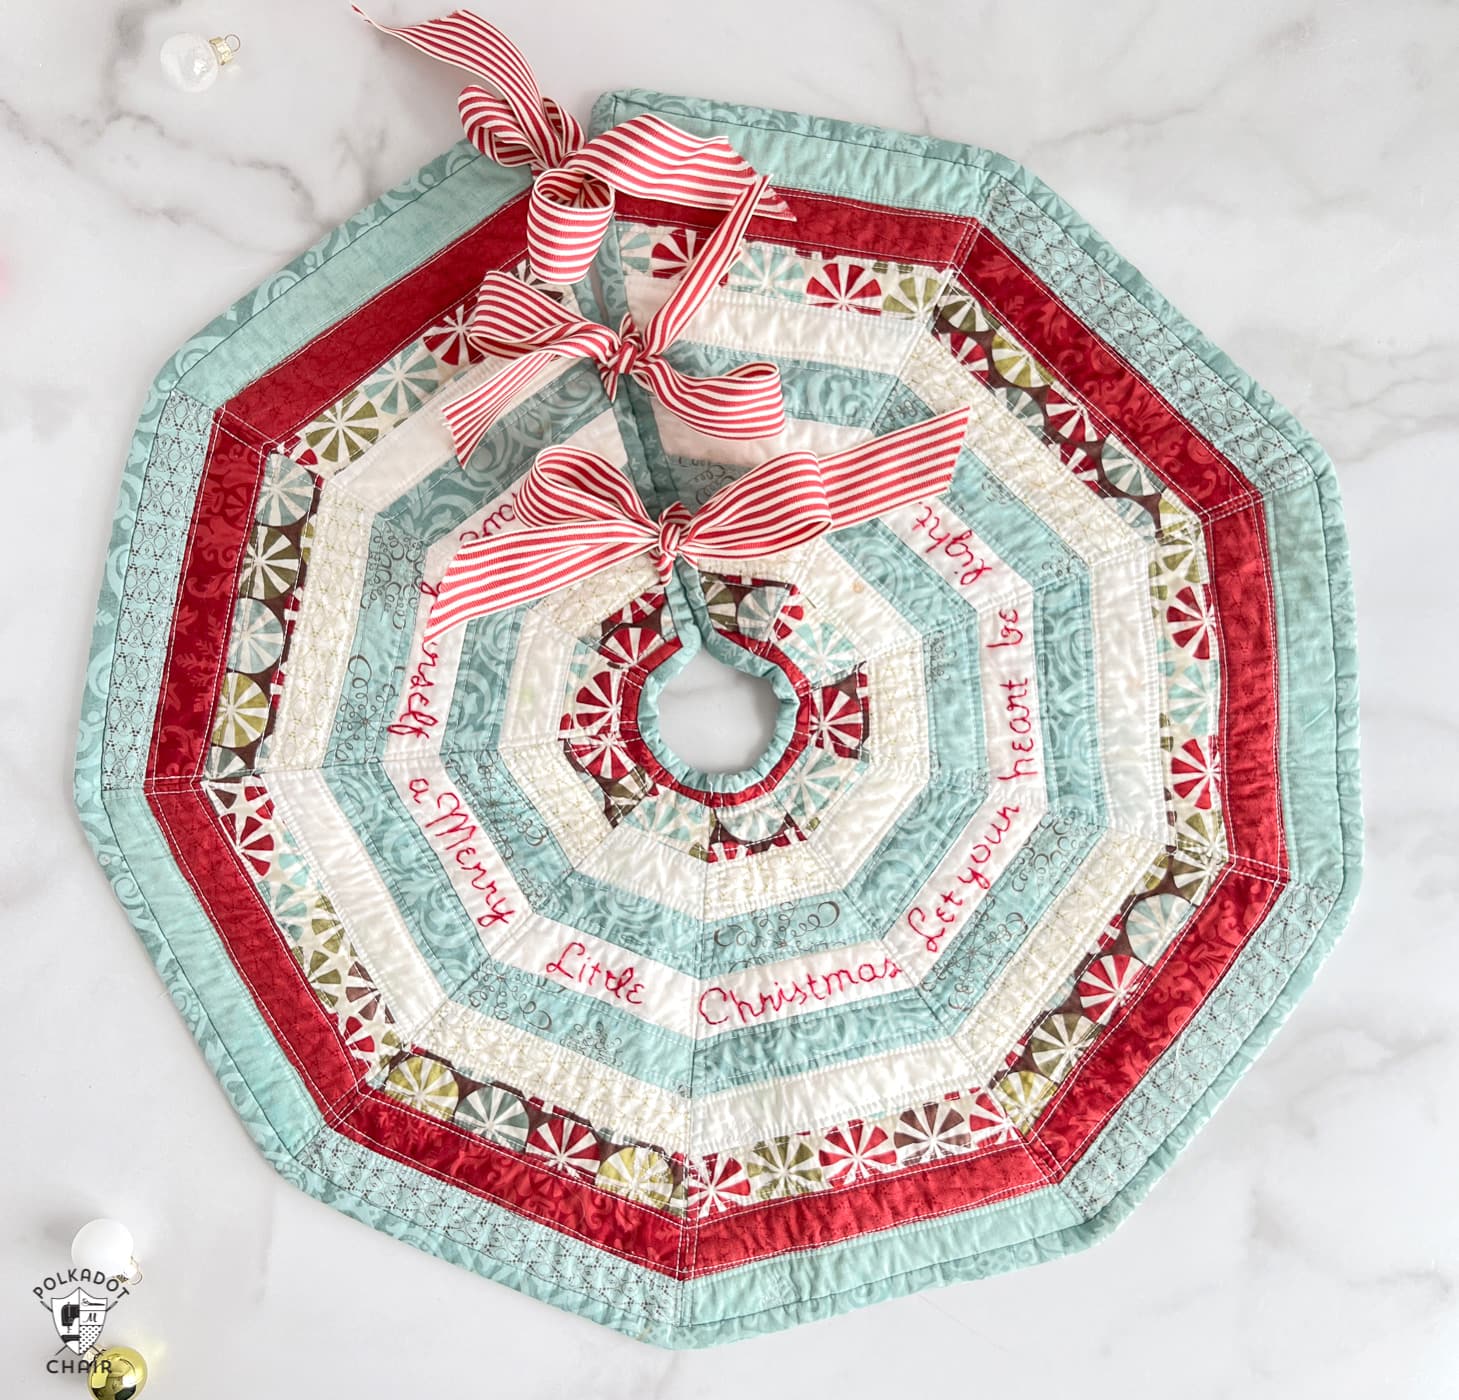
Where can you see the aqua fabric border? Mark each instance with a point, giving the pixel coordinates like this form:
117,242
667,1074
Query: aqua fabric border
344,274
1319,751
159,480
1319,748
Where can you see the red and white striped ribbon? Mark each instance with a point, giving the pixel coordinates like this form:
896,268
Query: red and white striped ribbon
516,322
571,204
581,514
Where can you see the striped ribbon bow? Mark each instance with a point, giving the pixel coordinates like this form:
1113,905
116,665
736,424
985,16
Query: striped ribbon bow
516,322
582,515
575,180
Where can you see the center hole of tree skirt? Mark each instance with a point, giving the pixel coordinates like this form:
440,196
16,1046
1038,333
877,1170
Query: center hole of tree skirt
715,718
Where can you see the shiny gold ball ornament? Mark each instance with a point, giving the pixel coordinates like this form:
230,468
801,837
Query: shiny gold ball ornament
117,1373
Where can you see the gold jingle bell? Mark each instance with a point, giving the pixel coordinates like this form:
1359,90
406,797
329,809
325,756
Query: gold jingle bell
117,1373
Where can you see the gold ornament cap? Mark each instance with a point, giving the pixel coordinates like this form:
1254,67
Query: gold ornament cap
225,46
117,1373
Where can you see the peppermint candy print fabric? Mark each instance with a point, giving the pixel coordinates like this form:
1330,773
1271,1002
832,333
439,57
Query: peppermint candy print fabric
1059,817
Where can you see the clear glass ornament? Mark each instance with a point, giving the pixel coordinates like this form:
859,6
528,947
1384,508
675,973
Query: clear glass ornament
192,63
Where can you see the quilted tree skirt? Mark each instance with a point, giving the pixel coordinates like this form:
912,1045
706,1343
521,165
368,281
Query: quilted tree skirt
1059,816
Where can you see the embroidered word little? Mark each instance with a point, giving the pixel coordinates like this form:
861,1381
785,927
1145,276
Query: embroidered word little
574,964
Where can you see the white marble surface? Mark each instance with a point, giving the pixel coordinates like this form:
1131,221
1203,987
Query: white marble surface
1282,170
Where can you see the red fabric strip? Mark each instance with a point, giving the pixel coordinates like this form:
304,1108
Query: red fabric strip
265,413
340,357
198,644
1090,368
1243,604
279,402
570,1204
1235,540
831,225
639,750
307,1034
1188,973
305,1031
880,1203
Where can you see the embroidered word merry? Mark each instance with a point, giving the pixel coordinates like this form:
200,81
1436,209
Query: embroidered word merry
934,925
958,548
718,1005
573,965
452,832
1019,719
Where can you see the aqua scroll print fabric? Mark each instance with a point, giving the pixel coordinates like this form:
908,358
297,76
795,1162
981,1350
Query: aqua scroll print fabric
1059,817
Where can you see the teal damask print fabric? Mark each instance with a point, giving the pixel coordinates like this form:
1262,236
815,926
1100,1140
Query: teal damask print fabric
1059,817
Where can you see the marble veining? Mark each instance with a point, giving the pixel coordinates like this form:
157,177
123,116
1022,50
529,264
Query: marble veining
1281,169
